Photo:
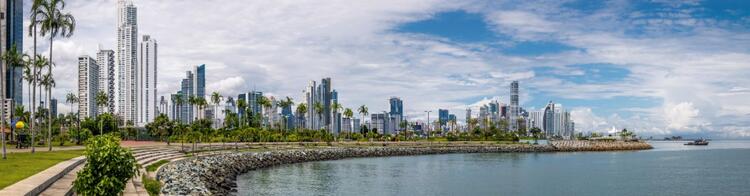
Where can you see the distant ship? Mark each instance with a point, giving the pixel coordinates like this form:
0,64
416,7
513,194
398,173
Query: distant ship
699,142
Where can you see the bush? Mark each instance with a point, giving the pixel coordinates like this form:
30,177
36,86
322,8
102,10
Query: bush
108,167
154,166
152,186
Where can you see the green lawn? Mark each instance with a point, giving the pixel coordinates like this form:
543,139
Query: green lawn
21,165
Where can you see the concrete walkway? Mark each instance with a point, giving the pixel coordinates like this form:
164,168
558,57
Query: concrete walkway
36,184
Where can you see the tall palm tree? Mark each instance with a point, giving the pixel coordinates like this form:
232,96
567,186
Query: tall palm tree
215,99
286,102
36,8
335,107
11,57
49,82
266,104
71,99
242,106
53,22
348,113
302,109
191,101
319,110
102,100
363,111
201,103
179,101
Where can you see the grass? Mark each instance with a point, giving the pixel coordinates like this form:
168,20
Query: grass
21,165
154,166
152,186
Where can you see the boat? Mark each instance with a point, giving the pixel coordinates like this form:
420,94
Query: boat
699,142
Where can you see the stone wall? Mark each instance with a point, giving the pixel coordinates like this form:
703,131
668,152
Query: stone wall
215,175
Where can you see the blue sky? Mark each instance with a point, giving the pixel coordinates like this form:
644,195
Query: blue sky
656,67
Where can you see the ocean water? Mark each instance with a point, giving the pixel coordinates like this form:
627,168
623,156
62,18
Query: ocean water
721,168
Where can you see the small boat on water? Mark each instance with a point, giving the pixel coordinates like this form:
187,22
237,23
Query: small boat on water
700,142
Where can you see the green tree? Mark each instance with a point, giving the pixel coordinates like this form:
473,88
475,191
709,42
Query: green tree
53,22
242,106
101,101
318,110
216,99
161,127
37,62
179,101
71,99
266,104
287,102
363,111
108,167
11,58
48,81
302,110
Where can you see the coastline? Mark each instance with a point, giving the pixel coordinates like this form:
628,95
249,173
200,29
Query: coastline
216,174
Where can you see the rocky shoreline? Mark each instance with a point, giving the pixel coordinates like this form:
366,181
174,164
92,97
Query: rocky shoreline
216,174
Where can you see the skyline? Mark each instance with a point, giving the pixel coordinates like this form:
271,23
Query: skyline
640,71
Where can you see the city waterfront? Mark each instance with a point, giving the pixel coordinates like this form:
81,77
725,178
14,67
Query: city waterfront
669,169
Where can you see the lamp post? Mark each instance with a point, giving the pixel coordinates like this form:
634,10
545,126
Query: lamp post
428,123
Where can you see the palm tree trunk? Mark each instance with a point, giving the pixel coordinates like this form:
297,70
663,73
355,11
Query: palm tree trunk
33,97
2,107
49,96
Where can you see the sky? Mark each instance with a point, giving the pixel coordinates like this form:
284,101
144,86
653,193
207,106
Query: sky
658,68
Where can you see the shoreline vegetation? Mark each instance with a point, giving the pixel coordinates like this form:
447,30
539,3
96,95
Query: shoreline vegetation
215,174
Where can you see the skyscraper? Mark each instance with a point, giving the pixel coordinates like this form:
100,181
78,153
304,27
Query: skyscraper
127,40
513,106
324,90
321,94
88,85
443,116
11,29
397,110
147,80
53,107
106,61
193,85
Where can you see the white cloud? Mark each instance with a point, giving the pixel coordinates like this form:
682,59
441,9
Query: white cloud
681,115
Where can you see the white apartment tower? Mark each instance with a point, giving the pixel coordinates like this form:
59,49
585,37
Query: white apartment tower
127,40
88,85
106,61
147,93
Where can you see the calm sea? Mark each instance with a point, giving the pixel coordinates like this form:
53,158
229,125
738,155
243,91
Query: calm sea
722,168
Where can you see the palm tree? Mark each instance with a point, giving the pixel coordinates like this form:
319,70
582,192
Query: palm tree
11,57
191,101
286,102
336,107
242,106
302,109
363,111
179,101
101,101
319,110
201,103
71,99
266,104
215,99
49,82
349,113
53,23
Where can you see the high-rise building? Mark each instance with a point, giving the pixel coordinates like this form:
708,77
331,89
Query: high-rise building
88,85
127,60
468,115
106,61
557,121
379,121
443,116
163,107
322,94
11,29
513,106
147,80
186,91
53,107
397,110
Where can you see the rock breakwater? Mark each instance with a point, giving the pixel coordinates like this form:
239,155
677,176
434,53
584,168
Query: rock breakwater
216,174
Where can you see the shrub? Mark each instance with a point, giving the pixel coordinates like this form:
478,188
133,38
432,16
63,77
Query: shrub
154,166
108,167
152,186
